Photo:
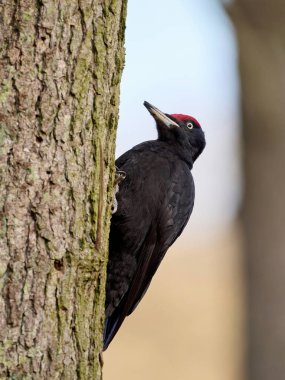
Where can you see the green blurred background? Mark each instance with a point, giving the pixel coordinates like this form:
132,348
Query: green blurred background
215,309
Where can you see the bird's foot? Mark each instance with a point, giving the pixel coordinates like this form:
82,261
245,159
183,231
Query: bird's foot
119,177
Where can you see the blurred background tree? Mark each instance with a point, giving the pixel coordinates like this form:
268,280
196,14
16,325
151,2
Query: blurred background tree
260,27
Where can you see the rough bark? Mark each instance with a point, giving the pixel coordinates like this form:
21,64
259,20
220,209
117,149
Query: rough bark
261,35
60,69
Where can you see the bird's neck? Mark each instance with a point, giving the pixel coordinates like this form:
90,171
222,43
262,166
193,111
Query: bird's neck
182,152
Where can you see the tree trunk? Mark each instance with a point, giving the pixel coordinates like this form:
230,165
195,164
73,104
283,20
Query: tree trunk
61,64
261,34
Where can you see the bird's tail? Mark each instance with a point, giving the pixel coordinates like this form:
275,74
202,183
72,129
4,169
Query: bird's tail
109,332
112,325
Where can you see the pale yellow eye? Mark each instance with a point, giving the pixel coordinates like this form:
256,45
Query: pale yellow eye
190,125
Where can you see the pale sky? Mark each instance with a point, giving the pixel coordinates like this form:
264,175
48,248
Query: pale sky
181,57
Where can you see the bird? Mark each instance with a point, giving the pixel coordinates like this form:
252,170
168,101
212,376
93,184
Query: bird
154,202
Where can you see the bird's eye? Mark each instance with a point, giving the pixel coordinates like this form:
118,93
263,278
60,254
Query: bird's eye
190,125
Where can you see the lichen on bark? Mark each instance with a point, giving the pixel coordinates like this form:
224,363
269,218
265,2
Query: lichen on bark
60,70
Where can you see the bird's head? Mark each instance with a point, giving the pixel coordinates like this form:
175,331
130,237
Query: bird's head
183,132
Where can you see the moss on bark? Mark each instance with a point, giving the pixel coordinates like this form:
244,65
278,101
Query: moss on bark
60,70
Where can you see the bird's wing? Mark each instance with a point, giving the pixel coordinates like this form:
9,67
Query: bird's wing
172,220
151,234
119,313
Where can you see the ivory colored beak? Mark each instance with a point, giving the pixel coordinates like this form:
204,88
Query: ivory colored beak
160,116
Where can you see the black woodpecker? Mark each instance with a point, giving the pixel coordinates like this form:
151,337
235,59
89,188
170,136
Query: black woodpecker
154,203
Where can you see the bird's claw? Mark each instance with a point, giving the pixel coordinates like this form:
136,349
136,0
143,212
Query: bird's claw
119,177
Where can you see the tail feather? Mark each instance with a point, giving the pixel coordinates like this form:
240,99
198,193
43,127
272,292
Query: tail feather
109,332
112,325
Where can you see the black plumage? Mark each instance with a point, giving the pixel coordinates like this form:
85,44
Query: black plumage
155,201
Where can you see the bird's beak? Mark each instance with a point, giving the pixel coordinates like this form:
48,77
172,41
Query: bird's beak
160,116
